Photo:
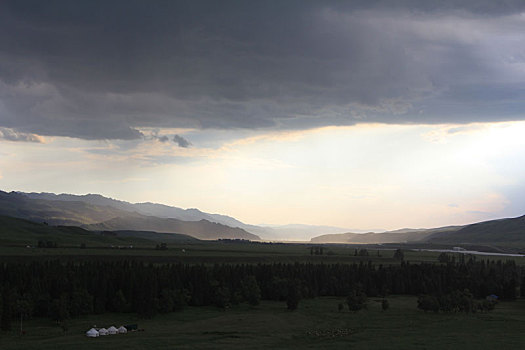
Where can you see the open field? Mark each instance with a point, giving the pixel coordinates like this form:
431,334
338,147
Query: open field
316,324
210,252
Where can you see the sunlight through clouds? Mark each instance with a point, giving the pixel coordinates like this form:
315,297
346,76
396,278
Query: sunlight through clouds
367,176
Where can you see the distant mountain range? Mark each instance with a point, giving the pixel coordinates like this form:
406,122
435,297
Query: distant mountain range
268,232
80,210
97,213
148,209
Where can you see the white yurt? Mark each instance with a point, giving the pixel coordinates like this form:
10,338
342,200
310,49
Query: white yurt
92,333
103,331
122,329
112,330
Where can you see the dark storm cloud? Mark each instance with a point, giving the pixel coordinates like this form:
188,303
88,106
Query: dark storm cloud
105,69
181,141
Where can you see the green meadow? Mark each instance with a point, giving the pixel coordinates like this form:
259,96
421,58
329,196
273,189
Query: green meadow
316,324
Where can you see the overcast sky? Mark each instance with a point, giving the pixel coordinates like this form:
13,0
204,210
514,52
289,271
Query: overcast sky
352,113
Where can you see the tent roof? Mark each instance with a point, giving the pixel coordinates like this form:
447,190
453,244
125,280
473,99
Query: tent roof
92,332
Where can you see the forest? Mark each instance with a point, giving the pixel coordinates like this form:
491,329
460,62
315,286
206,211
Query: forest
61,290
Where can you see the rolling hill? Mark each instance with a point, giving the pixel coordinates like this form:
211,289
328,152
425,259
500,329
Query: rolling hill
502,232
15,231
202,229
509,231
397,236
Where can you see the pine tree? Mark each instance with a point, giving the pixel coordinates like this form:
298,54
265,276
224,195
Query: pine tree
294,295
399,255
8,296
59,310
385,305
251,291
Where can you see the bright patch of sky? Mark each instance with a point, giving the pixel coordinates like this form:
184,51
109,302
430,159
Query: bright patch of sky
364,176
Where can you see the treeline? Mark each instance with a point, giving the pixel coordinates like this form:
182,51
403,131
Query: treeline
60,291
456,301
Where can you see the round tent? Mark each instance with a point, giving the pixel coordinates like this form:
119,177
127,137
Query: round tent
112,330
92,333
122,329
103,331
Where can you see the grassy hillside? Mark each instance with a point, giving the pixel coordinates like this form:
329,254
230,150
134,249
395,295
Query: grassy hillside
499,232
502,232
200,229
158,237
17,232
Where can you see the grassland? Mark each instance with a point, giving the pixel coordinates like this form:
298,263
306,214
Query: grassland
211,252
316,324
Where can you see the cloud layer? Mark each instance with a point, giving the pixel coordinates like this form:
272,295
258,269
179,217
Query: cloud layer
104,70
12,135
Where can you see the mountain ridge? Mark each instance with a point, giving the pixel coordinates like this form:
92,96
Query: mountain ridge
96,212
72,212
273,232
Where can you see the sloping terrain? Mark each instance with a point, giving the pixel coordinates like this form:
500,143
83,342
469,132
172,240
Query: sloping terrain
275,232
148,209
503,232
158,237
202,229
56,212
103,217
510,231
15,231
397,236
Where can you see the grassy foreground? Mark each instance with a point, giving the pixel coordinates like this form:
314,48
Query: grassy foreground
316,324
